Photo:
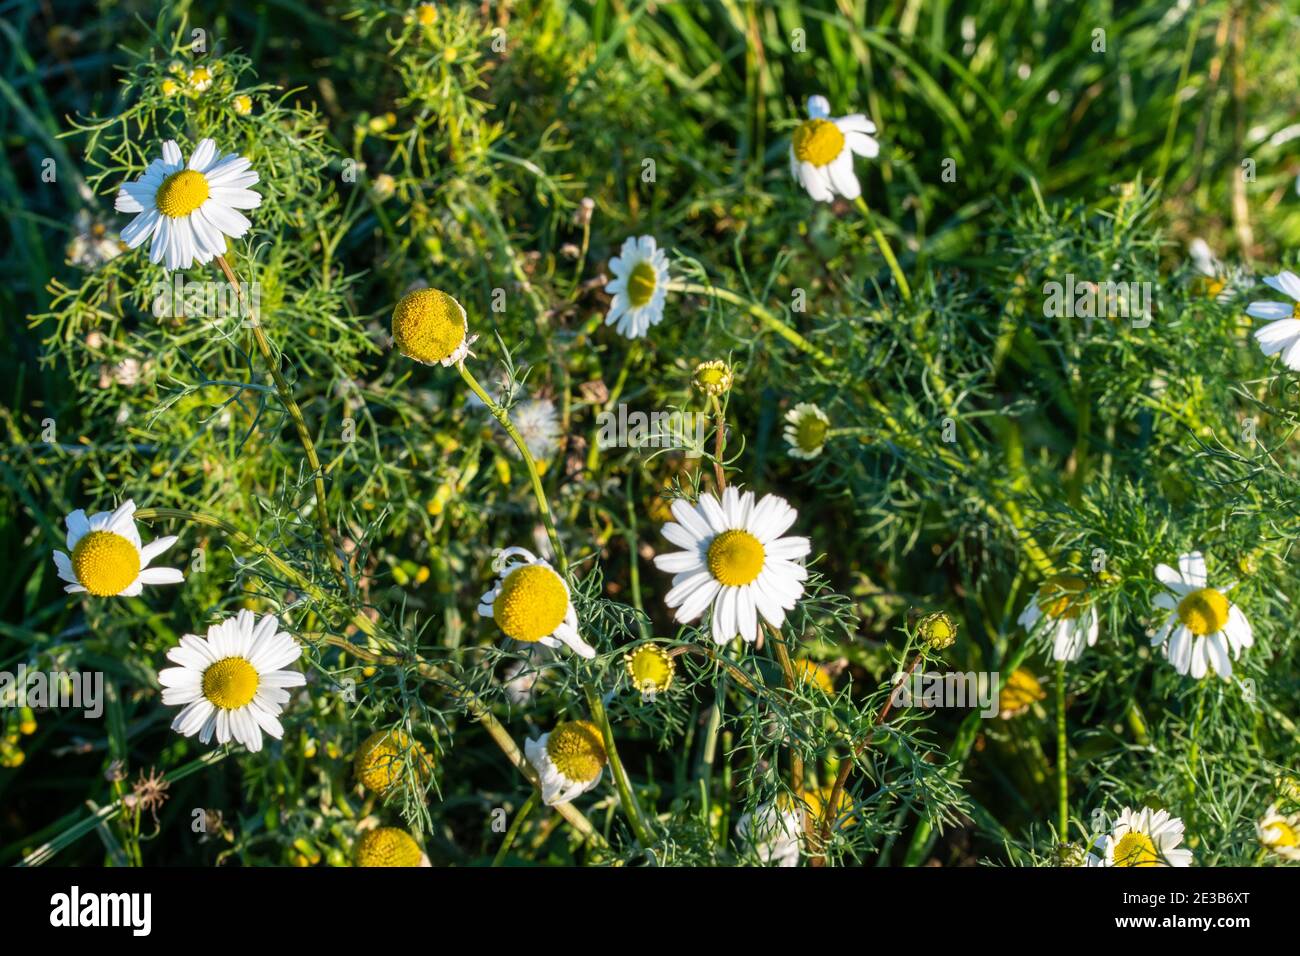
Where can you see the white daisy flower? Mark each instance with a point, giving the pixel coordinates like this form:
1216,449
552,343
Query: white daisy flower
639,287
1215,280
1279,833
1282,334
570,760
805,430
772,833
232,683
734,561
530,603
1143,838
107,557
1204,627
1062,611
187,211
822,151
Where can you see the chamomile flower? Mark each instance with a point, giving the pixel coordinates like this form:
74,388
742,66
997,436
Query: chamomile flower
1062,611
805,430
108,558
651,669
1204,629
822,151
92,246
431,327
639,287
1280,834
232,683
713,378
1019,693
187,211
813,674
1214,279
385,758
1282,334
735,560
569,760
388,846
772,831
530,603
1141,838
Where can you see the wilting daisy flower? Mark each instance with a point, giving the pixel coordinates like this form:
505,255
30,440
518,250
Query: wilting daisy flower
1204,626
569,760
1143,838
772,831
1063,612
384,759
388,846
232,682
431,327
1280,834
734,561
187,211
530,603
107,556
538,424
639,287
805,430
1282,334
822,150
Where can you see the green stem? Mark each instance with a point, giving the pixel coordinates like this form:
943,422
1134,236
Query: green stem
763,315
626,795
520,816
1062,756
886,250
300,423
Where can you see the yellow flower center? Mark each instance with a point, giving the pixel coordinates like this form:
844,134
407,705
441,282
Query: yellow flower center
817,141
810,672
713,378
105,563
1062,596
1020,692
577,750
650,668
810,433
428,326
1280,833
736,558
1204,611
382,759
1209,286
1295,311
230,683
426,14
531,604
641,284
182,193
387,846
1136,849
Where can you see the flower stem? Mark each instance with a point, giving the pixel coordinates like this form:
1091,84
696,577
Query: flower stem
508,840
626,795
503,417
763,315
304,435
1062,757
886,250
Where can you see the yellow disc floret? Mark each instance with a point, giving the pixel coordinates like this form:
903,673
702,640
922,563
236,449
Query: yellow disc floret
531,603
230,683
810,431
713,378
816,800
1062,596
736,558
182,193
817,141
641,284
577,750
383,758
810,672
1136,849
1019,694
650,668
938,631
1204,611
429,326
105,563
387,846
